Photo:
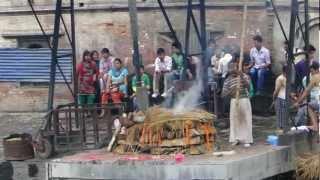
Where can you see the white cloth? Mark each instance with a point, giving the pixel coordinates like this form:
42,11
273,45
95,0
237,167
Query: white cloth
241,120
260,58
223,64
165,65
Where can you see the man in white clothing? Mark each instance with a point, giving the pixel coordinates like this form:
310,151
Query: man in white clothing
163,67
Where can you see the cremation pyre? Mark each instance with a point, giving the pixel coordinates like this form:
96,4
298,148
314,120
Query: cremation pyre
165,131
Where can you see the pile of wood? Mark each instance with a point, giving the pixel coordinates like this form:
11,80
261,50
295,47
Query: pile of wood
164,132
309,166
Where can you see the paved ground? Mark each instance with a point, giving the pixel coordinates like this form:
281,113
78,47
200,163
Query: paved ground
30,122
21,123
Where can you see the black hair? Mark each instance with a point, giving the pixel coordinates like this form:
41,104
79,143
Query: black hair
85,53
258,38
176,45
141,67
93,52
309,48
314,65
160,51
118,59
285,68
105,50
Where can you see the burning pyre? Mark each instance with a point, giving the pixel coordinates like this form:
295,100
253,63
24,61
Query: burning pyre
164,132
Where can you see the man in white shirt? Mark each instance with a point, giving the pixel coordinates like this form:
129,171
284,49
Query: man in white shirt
163,67
223,65
260,63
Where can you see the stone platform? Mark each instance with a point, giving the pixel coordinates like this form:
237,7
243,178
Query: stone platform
254,163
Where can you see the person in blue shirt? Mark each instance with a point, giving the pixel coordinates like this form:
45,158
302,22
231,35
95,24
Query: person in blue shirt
117,76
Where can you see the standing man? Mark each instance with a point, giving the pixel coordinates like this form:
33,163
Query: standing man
279,97
163,67
302,67
260,63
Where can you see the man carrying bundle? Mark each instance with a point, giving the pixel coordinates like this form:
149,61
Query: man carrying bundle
240,107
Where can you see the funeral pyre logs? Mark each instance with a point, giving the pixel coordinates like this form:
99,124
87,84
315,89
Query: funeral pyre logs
165,132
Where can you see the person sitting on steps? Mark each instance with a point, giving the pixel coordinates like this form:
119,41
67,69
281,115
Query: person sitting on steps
260,63
163,67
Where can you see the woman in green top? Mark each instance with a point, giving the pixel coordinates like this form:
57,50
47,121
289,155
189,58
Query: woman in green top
145,82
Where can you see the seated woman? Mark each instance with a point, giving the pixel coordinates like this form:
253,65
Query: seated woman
117,83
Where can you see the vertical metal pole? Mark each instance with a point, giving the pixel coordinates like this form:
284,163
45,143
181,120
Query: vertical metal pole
188,24
54,52
294,12
307,36
74,61
135,33
74,55
204,46
203,25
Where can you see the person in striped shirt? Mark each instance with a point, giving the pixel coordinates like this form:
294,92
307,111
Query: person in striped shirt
240,107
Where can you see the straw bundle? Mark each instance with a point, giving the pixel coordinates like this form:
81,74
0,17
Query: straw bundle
309,166
157,115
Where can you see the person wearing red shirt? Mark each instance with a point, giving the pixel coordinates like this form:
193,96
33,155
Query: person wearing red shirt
86,72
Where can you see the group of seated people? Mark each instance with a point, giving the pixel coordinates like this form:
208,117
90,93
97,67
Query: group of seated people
257,65
106,80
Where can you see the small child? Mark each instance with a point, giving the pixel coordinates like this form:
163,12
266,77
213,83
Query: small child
279,97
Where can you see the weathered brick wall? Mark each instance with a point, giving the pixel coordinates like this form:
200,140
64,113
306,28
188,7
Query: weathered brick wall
25,99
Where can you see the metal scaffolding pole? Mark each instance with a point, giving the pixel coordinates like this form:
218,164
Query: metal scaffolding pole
135,36
74,56
188,25
307,37
196,28
166,17
294,12
54,53
204,47
203,25
279,21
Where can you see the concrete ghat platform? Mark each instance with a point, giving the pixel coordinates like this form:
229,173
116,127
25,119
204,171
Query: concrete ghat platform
257,162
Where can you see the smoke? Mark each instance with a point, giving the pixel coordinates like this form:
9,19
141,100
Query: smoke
190,99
